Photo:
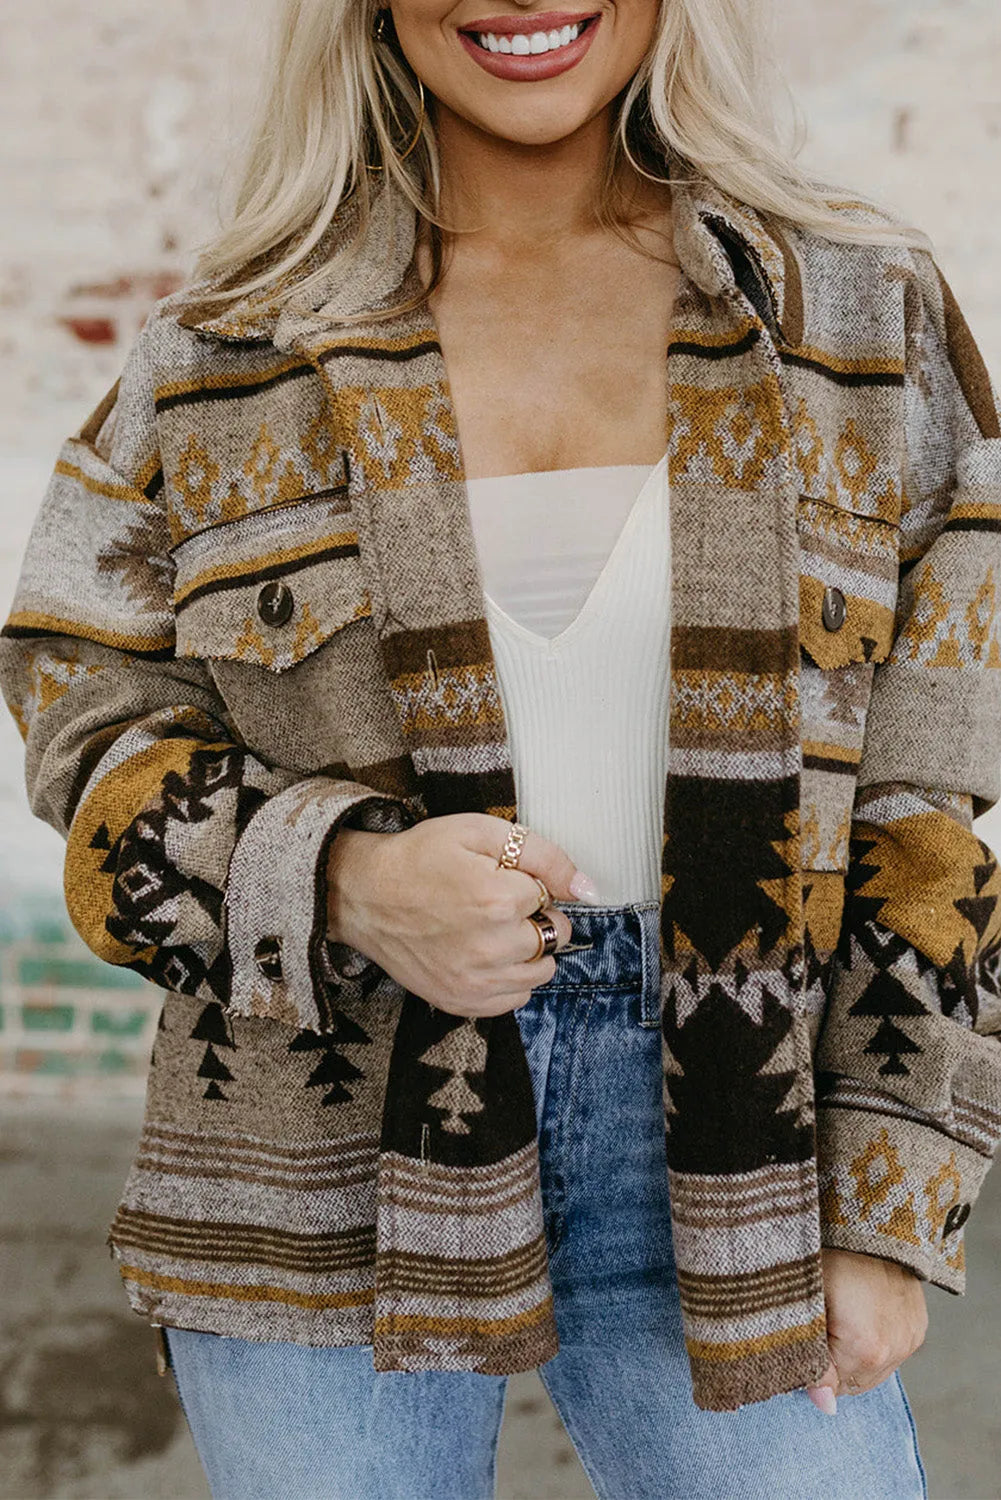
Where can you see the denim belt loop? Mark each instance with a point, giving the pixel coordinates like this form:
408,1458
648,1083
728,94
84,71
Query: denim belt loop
649,919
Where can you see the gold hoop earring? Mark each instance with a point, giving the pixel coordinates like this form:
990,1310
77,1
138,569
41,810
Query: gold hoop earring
380,34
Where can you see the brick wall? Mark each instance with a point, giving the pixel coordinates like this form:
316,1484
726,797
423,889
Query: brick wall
68,1023
114,117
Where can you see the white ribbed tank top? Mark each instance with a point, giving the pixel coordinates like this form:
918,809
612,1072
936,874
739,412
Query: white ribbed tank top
576,576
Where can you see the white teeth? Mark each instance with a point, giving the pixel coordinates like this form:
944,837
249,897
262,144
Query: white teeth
522,46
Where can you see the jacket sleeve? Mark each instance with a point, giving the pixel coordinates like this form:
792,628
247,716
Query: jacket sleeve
908,1061
188,858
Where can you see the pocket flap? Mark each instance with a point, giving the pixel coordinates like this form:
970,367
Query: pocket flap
271,587
852,562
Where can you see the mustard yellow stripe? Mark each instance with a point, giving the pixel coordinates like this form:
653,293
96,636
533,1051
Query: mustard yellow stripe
449,1327
54,625
146,473
393,345
699,337
224,381
745,1348
979,510
236,569
235,1293
110,491
885,366
832,751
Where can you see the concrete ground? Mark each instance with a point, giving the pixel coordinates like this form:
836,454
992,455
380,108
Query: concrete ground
83,1413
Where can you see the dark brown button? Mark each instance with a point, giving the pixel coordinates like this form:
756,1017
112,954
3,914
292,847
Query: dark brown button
268,957
275,604
834,610
956,1218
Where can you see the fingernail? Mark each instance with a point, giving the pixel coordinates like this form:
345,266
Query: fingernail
824,1397
583,888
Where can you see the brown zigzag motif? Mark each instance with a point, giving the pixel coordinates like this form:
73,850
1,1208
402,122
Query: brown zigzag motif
748,821
214,1029
730,1110
333,1071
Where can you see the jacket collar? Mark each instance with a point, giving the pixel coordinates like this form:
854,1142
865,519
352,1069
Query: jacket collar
720,243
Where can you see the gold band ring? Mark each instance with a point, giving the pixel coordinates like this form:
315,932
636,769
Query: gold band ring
545,899
548,936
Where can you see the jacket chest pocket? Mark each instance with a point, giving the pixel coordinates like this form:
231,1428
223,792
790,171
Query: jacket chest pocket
848,592
275,603
270,587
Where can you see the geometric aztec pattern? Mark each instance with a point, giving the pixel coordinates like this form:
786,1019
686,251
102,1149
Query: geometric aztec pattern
276,628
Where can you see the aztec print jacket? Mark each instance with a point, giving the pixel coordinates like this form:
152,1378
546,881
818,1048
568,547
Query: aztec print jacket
250,612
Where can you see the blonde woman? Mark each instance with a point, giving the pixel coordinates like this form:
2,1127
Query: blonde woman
489,657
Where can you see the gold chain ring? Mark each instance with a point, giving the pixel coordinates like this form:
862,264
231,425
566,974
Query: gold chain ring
512,847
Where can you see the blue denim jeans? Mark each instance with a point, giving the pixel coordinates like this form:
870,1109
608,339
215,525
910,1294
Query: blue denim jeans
280,1421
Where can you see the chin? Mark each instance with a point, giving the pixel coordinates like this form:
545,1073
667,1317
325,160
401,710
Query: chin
542,130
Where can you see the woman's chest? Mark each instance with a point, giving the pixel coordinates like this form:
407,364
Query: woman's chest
553,374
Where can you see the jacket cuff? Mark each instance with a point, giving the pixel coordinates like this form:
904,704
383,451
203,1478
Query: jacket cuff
894,1184
284,967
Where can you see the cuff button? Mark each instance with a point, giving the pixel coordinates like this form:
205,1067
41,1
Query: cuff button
956,1218
268,957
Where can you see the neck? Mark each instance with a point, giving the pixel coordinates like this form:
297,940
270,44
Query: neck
514,196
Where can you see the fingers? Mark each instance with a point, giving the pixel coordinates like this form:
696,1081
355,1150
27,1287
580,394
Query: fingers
858,1375
539,856
551,863
865,1362
522,887
837,1382
824,1393
528,933
876,1318
508,1001
523,890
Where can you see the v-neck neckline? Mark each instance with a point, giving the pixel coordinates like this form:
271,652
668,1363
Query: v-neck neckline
601,584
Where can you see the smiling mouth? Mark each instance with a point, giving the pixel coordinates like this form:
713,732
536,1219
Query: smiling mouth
529,44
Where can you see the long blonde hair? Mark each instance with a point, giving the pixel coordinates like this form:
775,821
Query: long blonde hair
337,103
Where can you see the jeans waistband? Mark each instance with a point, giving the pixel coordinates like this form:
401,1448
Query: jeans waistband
622,952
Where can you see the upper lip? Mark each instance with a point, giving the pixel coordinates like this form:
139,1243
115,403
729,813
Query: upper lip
544,20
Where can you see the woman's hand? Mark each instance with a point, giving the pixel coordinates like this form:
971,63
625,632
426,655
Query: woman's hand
432,907
876,1318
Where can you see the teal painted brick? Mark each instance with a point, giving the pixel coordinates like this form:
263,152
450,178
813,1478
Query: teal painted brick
49,1040
45,927
52,1063
47,1017
62,1062
76,973
120,1023
42,917
113,1061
